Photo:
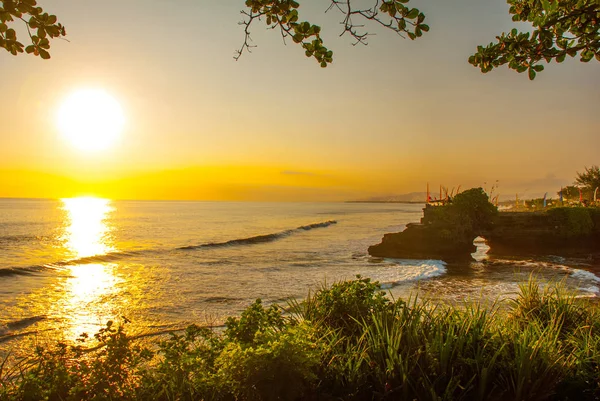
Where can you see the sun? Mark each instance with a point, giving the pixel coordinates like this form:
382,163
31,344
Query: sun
90,119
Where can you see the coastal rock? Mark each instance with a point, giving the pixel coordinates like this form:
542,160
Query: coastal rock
573,231
447,232
419,241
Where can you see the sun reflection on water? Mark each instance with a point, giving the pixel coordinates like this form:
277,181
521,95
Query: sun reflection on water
87,233
90,289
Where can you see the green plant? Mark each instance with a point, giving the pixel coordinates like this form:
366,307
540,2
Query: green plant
254,320
346,342
345,305
279,365
572,221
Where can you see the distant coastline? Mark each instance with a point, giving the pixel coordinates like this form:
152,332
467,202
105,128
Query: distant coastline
383,201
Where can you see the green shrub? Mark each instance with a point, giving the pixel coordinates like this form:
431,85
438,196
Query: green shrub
280,365
254,320
469,213
572,221
346,342
65,372
345,305
533,362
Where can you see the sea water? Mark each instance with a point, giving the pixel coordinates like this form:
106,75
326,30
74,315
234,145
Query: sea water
68,266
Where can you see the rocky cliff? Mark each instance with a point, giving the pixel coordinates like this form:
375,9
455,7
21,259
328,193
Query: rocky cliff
447,232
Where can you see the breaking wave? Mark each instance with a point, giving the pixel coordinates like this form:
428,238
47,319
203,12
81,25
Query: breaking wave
259,239
407,270
22,271
115,256
584,275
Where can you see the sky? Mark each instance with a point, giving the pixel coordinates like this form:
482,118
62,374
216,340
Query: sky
383,119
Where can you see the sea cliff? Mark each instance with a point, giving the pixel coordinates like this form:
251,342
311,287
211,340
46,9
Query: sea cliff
447,232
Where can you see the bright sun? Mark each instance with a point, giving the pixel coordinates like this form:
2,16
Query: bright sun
90,119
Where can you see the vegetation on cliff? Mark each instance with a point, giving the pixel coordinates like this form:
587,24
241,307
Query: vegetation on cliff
347,342
574,222
462,219
589,179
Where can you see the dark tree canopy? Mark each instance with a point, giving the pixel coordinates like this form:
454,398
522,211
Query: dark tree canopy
572,192
560,28
590,179
394,15
41,26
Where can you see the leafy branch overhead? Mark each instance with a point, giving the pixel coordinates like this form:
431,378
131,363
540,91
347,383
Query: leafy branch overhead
283,15
40,25
561,28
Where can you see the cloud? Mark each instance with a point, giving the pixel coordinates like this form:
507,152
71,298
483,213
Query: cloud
550,181
535,188
304,173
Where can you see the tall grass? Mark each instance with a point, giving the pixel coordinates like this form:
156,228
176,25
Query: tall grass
344,342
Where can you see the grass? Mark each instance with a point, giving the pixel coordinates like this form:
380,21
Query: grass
344,342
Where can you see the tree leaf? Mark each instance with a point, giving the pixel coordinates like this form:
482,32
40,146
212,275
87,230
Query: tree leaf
412,14
44,54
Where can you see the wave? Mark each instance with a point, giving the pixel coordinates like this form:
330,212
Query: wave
223,300
87,260
259,239
22,271
103,258
8,328
407,270
584,275
115,256
7,239
533,264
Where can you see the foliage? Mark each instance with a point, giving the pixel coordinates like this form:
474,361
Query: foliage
254,320
572,221
40,25
464,217
590,179
280,365
544,345
474,204
65,372
571,193
560,29
283,15
345,305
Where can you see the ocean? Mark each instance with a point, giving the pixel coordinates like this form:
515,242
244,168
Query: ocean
68,266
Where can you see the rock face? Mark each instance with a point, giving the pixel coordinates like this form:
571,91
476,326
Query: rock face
447,232
573,231
419,241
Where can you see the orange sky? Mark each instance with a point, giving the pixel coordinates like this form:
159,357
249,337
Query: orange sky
383,119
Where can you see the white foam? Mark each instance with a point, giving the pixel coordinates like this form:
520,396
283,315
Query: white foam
584,275
593,289
404,270
480,253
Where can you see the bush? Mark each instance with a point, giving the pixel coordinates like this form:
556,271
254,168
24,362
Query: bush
346,342
279,366
572,221
464,218
344,306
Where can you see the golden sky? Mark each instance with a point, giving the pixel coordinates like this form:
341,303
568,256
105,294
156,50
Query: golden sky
383,119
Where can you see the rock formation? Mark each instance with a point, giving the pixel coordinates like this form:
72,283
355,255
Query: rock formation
447,232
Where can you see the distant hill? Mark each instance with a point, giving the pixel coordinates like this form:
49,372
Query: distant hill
413,197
